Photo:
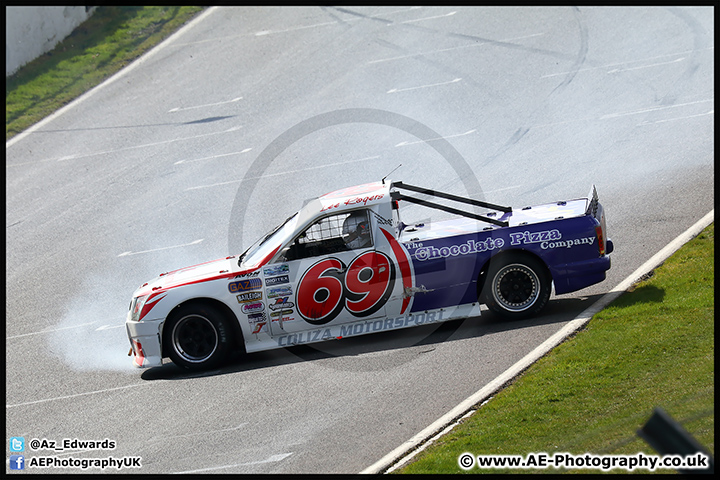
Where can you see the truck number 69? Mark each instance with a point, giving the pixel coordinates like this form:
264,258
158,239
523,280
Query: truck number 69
362,288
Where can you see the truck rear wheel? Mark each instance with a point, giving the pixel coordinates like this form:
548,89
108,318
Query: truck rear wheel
517,286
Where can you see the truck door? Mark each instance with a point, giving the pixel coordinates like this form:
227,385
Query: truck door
330,274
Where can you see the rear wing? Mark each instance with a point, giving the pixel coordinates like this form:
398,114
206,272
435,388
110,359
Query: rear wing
448,196
593,202
594,208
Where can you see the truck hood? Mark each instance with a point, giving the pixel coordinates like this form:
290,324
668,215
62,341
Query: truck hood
203,272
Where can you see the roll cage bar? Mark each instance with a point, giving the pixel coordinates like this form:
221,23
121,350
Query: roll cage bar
448,196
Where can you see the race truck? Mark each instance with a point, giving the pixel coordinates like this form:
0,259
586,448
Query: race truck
346,265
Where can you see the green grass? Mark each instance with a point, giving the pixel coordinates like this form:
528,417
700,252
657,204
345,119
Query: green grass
108,41
651,347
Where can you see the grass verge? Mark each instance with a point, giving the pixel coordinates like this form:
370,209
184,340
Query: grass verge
108,41
653,346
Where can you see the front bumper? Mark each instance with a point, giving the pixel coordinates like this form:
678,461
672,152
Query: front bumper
145,340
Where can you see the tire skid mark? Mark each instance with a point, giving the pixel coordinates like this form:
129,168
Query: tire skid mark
700,43
580,58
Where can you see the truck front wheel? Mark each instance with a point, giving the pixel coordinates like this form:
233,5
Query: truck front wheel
517,286
197,337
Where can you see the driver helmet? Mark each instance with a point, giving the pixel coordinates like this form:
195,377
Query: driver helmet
356,230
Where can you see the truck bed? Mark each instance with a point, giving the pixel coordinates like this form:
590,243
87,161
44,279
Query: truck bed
464,225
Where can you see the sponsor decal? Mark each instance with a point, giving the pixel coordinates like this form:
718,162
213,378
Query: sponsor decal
243,285
381,220
277,280
275,270
253,307
249,297
254,274
548,239
279,292
361,327
363,200
258,321
283,315
281,302
305,337
257,317
353,201
468,248
519,238
568,243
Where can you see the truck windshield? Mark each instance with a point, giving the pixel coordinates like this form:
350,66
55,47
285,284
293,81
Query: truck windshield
263,247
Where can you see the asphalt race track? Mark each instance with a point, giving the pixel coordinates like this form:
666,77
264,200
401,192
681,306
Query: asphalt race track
144,175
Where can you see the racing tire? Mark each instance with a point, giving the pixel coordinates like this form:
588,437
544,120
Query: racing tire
197,336
517,286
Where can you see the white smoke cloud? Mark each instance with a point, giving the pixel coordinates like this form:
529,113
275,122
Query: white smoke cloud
91,334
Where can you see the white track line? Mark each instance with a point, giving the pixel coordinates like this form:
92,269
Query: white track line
270,459
180,109
397,90
195,242
65,397
444,424
212,157
49,331
405,22
654,109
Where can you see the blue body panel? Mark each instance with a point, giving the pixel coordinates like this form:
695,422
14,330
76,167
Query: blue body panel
448,256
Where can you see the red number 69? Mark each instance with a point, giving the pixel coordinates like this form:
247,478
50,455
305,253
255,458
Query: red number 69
320,291
362,288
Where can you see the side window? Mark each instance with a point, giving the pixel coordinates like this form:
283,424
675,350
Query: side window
333,234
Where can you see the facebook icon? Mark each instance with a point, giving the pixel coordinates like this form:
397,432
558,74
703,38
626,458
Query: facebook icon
17,462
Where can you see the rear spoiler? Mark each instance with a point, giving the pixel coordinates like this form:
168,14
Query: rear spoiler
596,210
592,202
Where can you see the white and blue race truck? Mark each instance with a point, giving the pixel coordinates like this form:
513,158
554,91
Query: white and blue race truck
346,265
